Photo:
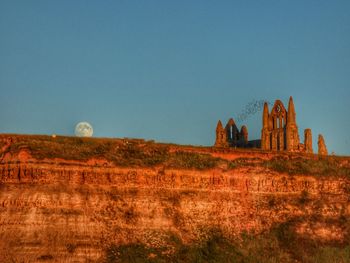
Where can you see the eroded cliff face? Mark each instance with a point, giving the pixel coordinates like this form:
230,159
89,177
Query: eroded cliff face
74,213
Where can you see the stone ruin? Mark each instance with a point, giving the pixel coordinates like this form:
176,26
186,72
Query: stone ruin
279,132
231,136
322,149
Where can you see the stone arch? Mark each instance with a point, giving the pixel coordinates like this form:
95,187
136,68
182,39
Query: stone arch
232,132
278,122
278,115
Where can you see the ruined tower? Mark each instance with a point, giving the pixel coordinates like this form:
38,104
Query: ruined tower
230,136
244,135
322,149
308,141
221,136
265,134
292,135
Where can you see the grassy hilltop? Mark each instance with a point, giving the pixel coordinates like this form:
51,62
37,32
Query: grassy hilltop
141,153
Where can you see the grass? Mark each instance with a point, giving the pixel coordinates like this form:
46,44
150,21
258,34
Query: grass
191,160
319,166
126,152
140,153
244,162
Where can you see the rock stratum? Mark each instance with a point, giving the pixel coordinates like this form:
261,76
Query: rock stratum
65,199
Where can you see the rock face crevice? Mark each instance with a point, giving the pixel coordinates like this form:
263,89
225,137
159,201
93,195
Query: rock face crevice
73,213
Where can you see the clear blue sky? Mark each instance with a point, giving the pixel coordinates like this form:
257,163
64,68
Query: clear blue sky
168,70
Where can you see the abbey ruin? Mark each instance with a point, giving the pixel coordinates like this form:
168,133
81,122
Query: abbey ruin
279,132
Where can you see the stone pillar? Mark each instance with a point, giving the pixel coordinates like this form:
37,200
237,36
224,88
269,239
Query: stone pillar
308,141
274,141
281,138
267,141
221,136
244,134
265,135
322,149
292,135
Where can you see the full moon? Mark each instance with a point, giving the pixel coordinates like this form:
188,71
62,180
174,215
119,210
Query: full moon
83,129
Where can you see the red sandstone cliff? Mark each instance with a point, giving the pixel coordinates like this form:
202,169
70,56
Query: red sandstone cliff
73,210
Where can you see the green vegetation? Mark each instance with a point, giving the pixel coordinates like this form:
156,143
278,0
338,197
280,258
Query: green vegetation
70,148
214,249
281,244
191,160
320,166
140,153
121,152
244,162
